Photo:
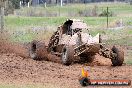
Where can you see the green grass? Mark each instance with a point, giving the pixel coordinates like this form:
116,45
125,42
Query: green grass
128,61
17,24
13,21
21,28
121,41
128,57
119,37
28,37
129,32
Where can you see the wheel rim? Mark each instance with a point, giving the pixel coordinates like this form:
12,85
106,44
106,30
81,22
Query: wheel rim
33,55
64,55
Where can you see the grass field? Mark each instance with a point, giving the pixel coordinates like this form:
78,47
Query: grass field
25,28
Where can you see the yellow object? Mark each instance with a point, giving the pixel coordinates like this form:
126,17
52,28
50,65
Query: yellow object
84,73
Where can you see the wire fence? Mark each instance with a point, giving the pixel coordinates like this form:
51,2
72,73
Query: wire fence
76,10
95,14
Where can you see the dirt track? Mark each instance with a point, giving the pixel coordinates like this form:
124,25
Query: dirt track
19,69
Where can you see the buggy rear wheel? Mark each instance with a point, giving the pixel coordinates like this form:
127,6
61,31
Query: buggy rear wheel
117,56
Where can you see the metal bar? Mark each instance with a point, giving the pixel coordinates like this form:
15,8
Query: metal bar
107,17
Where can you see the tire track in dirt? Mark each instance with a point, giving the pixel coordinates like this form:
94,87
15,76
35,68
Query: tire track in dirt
17,70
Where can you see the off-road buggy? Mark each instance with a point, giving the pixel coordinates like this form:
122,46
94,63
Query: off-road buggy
71,44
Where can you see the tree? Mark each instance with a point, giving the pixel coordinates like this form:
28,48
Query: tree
130,2
2,15
15,3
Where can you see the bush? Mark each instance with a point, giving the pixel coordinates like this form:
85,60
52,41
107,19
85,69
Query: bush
88,12
15,3
104,13
130,2
84,13
9,9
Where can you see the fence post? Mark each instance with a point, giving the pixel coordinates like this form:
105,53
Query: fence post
45,4
2,18
20,4
28,4
107,17
61,3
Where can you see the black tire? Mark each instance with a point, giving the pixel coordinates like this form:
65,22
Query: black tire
33,50
67,55
117,56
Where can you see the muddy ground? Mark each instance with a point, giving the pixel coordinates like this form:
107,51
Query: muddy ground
17,68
